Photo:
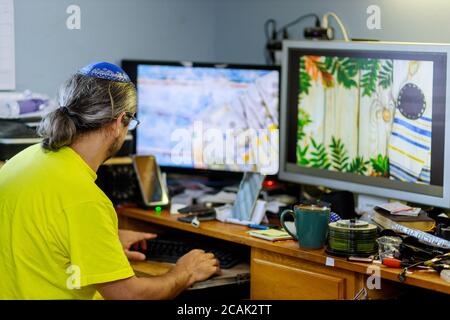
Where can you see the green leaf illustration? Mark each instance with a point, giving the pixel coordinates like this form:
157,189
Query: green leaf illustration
345,70
319,157
386,74
303,120
369,76
358,165
326,76
305,78
380,165
301,155
339,155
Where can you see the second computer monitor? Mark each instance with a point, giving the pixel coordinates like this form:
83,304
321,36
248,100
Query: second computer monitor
367,117
208,116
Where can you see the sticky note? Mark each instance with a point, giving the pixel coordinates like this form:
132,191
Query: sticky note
329,262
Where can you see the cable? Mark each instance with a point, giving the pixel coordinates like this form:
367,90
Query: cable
290,24
269,35
266,26
339,22
272,35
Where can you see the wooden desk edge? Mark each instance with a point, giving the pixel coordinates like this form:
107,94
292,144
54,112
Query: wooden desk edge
237,234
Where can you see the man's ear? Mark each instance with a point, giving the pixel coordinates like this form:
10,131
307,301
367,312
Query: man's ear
118,125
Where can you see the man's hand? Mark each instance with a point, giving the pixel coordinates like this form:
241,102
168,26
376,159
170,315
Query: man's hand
198,265
129,238
194,266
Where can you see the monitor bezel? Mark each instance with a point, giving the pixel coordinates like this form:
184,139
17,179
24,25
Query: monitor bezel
308,179
130,67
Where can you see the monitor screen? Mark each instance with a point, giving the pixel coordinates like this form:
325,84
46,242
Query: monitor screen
367,117
204,116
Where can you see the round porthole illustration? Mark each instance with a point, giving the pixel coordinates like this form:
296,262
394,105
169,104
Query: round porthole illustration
411,101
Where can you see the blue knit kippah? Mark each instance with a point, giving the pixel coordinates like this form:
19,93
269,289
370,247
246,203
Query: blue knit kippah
105,70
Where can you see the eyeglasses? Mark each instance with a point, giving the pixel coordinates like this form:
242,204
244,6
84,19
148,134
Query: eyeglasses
134,122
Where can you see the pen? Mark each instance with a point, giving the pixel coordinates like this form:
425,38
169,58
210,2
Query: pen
257,226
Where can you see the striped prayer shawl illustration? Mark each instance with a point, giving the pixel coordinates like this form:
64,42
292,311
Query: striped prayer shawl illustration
410,149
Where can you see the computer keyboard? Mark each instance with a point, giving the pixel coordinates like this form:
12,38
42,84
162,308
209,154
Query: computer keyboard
170,250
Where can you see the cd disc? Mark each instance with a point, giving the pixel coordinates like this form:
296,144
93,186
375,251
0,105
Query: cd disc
352,237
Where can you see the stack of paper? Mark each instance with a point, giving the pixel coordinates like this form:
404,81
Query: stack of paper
399,209
270,234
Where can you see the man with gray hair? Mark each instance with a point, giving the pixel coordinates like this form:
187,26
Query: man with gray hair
59,236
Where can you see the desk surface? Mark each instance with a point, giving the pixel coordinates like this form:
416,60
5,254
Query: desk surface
238,234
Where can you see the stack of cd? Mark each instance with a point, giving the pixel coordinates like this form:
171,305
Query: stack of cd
352,238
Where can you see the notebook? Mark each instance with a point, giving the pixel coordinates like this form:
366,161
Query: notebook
421,222
270,234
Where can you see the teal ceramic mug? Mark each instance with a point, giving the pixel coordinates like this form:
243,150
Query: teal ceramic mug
311,224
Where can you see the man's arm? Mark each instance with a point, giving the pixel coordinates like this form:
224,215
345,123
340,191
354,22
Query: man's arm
190,268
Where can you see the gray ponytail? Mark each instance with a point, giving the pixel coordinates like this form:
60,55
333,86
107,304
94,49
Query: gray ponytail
87,104
57,129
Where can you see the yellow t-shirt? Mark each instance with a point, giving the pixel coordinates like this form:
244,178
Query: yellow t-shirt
58,230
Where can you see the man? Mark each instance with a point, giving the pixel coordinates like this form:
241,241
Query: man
58,230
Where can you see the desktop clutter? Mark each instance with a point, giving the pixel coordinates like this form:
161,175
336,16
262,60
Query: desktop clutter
20,113
386,237
393,235
238,205
24,105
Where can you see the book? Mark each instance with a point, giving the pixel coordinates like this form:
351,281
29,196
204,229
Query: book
397,208
270,234
413,212
420,222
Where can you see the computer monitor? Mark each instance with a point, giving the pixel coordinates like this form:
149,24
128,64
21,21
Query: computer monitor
207,116
367,117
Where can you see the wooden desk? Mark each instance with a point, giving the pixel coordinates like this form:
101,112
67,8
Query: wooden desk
281,270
